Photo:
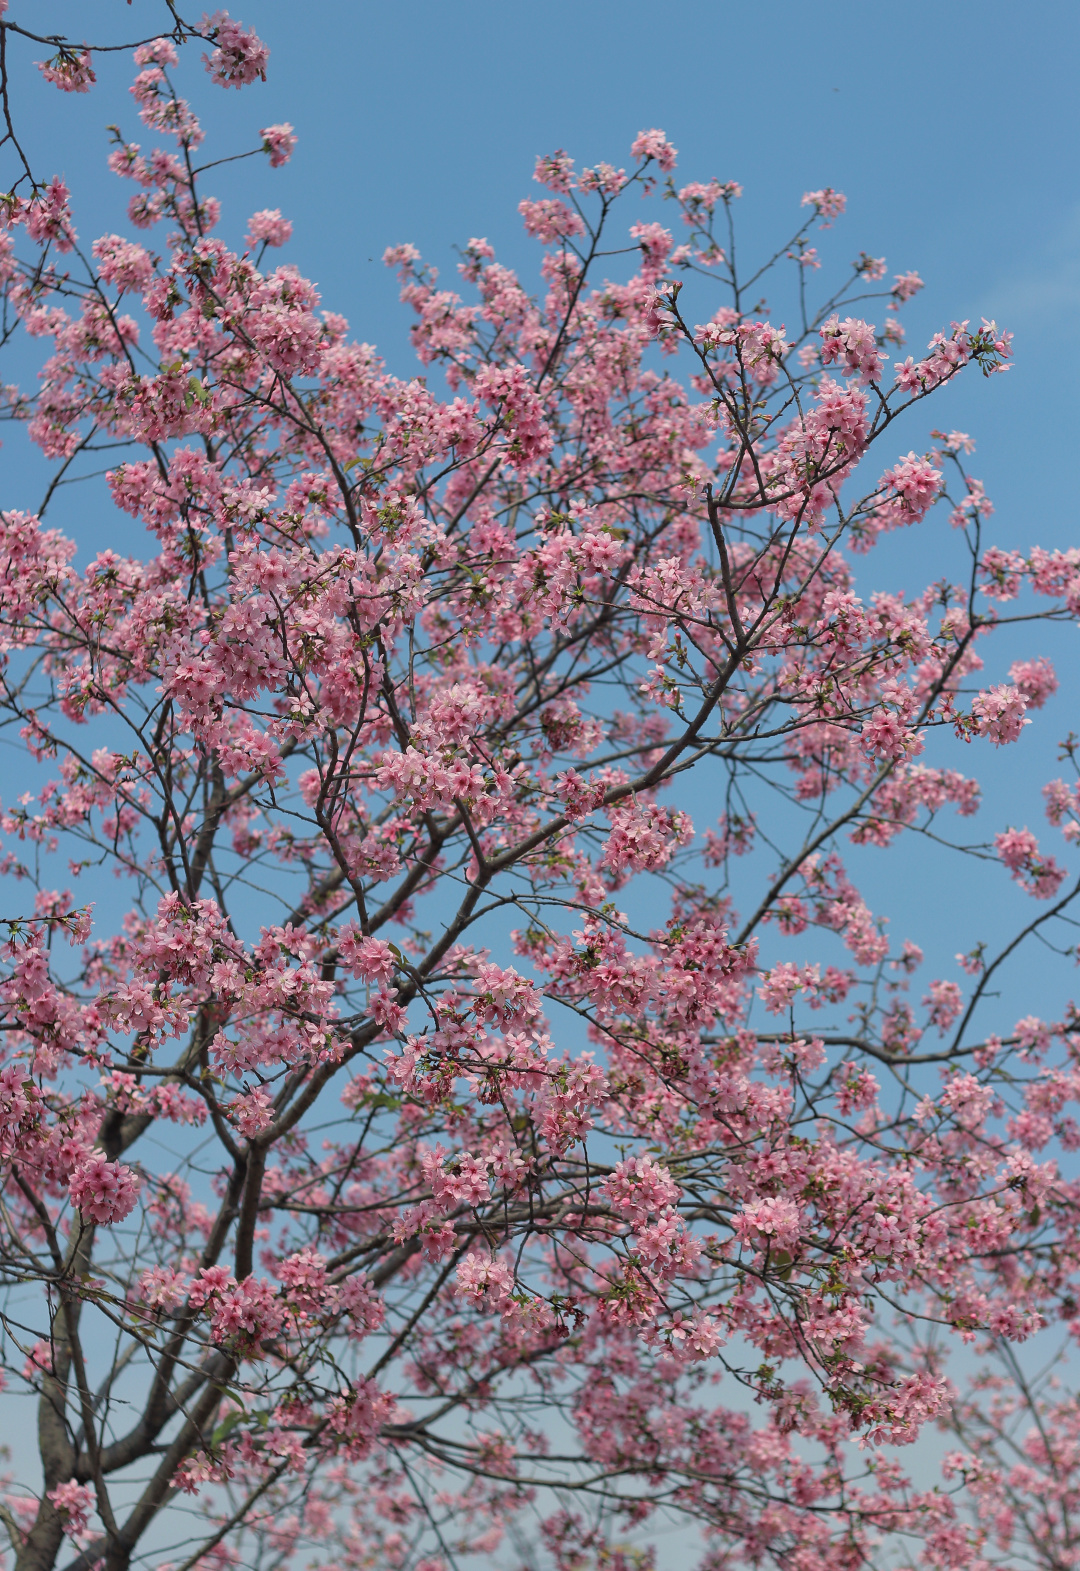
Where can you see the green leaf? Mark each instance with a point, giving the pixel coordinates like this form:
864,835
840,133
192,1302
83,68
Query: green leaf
226,1427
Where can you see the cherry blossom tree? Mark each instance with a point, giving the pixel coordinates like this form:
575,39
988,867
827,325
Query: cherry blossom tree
463,1104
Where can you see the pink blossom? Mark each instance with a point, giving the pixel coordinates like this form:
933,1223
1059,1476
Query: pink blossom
944,1002
654,144
696,1338
356,1418
852,344
639,1187
48,216
696,196
906,285
556,171
239,55
656,244
604,177
999,714
484,1281
246,1314
74,1502
871,267
160,1287
773,1221
827,203
383,699
122,263
917,485
897,1419
666,1248
104,1191
253,1112
969,1101
784,981
267,227
857,1091
1002,571
885,735
1039,875
161,51
528,435
1063,807
279,141
70,72
1036,679
372,959
282,324
549,220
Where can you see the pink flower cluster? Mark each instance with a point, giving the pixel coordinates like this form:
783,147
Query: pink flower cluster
238,56
104,1191
654,145
268,228
74,1503
853,346
827,203
1019,850
71,73
279,141
999,713
384,702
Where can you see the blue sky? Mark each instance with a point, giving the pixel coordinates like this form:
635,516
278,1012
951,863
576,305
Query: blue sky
951,127
950,124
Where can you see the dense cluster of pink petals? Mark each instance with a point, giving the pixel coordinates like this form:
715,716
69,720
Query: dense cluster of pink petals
280,142
1019,850
852,345
104,1191
74,1502
238,56
71,73
492,1108
1000,713
654,144
826,202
